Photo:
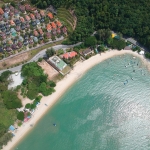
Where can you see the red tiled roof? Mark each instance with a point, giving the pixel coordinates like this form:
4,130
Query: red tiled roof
33,8
48,35
42,13
40,31
19,44
64,29
32,16
11,8
69,55
50,15
22,8
28,7
49,27
27,17
58,30
22,19
58,23
12,22
1,17
36,33
53,25
1,11
11,13
37,15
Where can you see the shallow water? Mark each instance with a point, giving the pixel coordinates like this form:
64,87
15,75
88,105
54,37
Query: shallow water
107,109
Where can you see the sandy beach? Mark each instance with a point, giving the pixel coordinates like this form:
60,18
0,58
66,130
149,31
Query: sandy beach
80,68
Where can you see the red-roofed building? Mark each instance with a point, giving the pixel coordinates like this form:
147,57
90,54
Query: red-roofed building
32,16
48,27
58,30
48,35
19,44
50,15
64,30
22,19
40,31
1,17
33,8
69,55
22,8
1,11
53,25
27,7
11,13
12,23
42,13
11,8
27,18
35,33
37,15
58,23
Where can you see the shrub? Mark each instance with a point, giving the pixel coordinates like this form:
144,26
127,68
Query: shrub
52,84
38,98
28,106
40,59
11,100
20,116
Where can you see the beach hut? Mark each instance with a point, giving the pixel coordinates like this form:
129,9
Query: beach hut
11,128
141,52
113,35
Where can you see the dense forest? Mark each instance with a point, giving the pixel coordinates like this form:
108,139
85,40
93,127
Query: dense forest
35,81
8,104
131,18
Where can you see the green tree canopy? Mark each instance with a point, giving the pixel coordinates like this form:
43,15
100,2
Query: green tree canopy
50,52
20,116
90,41
11,100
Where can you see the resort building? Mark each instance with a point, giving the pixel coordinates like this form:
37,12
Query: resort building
48,27
87,52
1,11
50,15
42,13
131,40
32,16
59,65
69,55
27,18
58,23
53,25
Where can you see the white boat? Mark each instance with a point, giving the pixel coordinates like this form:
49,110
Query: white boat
16,73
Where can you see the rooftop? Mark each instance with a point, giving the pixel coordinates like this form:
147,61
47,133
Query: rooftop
50,15
131,40
69,55
60,64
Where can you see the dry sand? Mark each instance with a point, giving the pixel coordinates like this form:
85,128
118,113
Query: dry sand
79,69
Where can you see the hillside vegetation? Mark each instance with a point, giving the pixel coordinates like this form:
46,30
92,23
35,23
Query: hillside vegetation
66,18
131,18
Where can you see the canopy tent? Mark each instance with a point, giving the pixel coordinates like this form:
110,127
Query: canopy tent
12,128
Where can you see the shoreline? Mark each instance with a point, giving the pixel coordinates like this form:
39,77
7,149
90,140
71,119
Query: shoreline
80,68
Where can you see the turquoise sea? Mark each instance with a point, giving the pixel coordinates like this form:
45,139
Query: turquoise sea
107,109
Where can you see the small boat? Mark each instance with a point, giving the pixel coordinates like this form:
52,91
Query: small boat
16,73
54,124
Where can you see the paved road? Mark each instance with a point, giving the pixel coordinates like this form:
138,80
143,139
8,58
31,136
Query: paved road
40,55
